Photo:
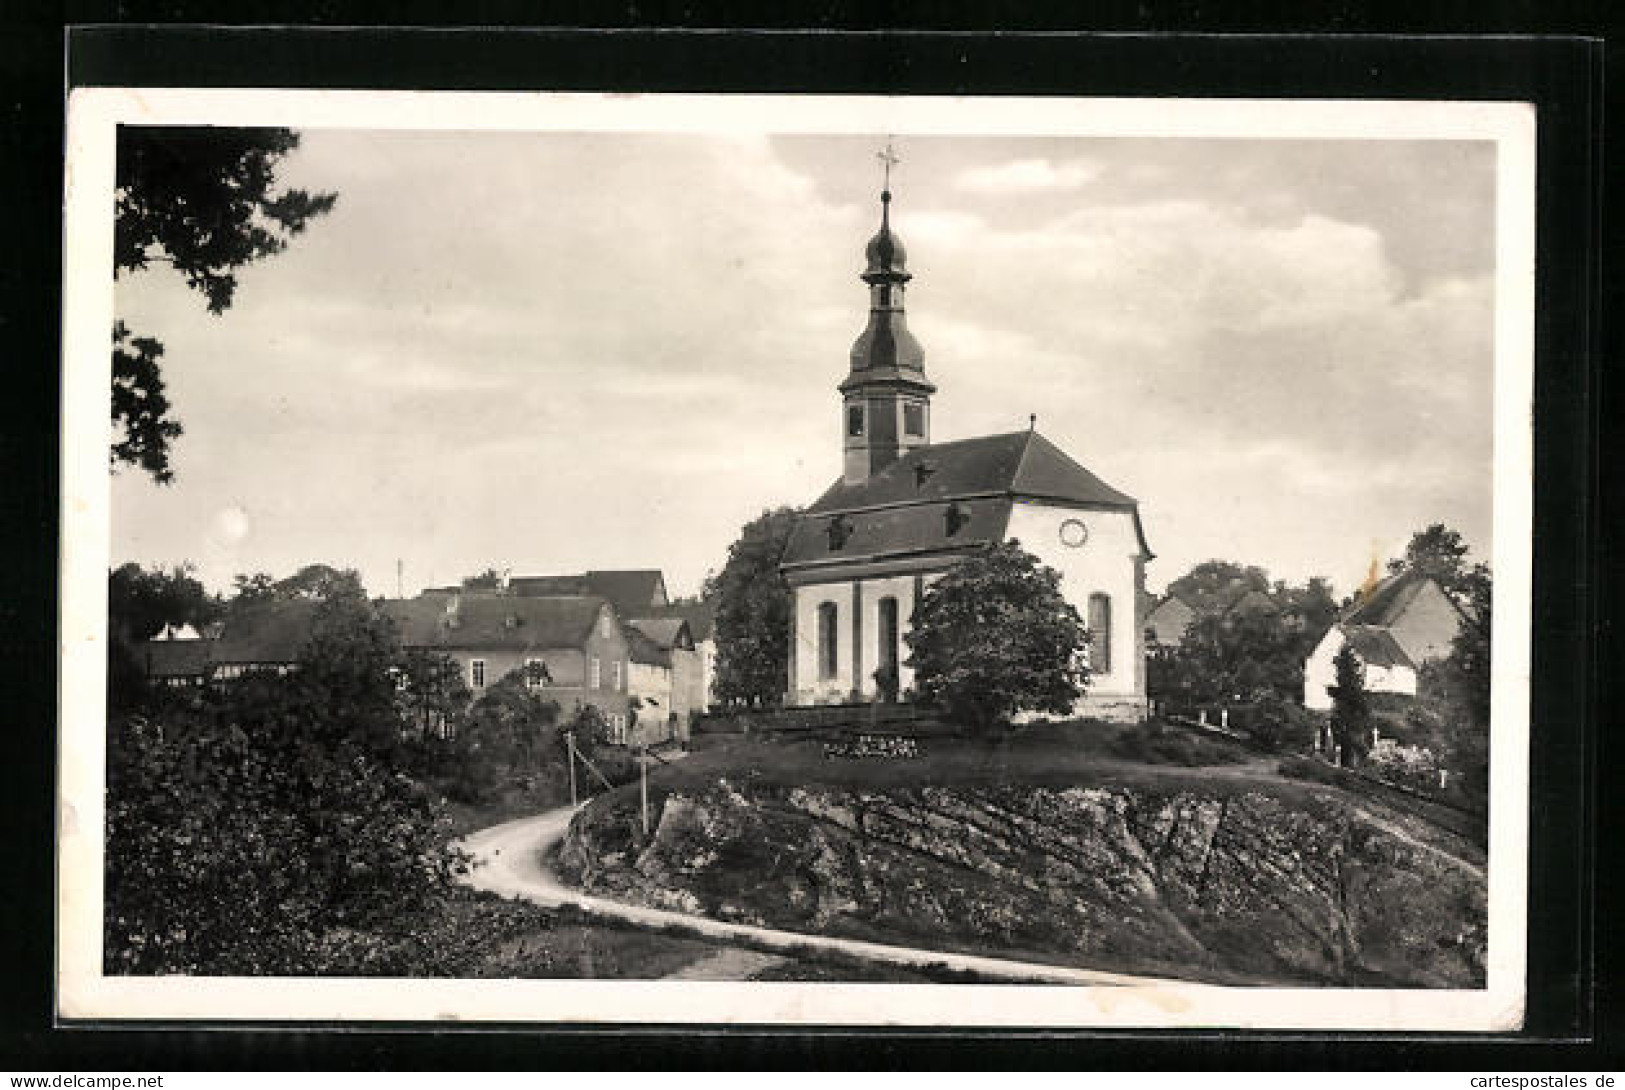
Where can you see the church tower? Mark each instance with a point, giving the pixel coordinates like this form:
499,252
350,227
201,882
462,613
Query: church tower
886,398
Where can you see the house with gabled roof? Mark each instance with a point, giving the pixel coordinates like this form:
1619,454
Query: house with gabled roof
1394,628
572,649
905,510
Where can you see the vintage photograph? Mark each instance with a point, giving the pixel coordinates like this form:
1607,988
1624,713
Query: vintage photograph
794,545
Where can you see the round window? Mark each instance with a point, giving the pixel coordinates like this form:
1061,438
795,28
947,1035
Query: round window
1074,533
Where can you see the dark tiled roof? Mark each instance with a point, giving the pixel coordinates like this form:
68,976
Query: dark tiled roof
664,631
496,621
1021,463
630,590
903,508
177,658
1376,646
266,632
1387,600
914,529
641,648
701,618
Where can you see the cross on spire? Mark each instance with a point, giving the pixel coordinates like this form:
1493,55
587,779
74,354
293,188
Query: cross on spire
889,158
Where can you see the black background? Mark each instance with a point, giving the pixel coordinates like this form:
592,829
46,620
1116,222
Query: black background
831,49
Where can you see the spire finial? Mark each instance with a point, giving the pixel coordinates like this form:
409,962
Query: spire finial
1032,421
889,158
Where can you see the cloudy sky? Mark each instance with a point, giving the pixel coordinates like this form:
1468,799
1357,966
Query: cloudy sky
557,352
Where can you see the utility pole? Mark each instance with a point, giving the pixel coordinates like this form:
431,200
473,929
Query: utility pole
570,744
643,784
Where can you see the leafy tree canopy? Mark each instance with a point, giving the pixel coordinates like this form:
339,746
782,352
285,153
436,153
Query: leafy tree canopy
251,823
313,582
753,604
1213,583
141,601
205,201
1441,552
994,636
489,579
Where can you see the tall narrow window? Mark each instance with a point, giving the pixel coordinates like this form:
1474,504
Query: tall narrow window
828,647
886,672
1100,633
595,677
476,673
854,420
615,674
913,418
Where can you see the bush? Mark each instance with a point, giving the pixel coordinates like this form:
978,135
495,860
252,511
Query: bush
1278,724
994,636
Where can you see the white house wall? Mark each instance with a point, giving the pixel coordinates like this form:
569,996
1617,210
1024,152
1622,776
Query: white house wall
1320,672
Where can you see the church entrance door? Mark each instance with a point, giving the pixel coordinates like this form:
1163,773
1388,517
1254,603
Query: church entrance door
886,676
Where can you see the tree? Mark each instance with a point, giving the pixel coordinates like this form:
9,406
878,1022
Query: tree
1351,713
1454,693
140,602
252,823
753,613
1214,584
1230,657
994,636
205,201
313,582
432,692
489,579
1441,553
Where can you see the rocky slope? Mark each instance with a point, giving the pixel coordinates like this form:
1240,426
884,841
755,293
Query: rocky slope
1233,886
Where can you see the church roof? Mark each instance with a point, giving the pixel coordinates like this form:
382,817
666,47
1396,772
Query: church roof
1021,464
944,500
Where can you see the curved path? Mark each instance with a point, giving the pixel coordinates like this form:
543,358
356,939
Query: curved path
509,862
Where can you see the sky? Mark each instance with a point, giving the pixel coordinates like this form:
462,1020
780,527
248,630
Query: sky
552,352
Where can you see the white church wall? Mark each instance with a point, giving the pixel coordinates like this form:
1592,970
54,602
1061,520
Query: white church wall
1106,563
812,685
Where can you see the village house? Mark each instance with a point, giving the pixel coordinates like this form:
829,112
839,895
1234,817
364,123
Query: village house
1401,623
904,510
571,649
574,647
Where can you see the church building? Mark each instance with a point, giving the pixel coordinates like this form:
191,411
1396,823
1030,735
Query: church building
906,509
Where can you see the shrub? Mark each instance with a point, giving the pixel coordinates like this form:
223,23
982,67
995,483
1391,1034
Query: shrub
994,636
1277,723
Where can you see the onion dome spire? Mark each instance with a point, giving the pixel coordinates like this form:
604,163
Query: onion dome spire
886,348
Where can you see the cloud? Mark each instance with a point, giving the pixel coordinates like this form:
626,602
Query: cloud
586,350
1027,175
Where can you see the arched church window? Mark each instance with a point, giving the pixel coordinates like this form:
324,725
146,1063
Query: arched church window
828,650
1100,633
